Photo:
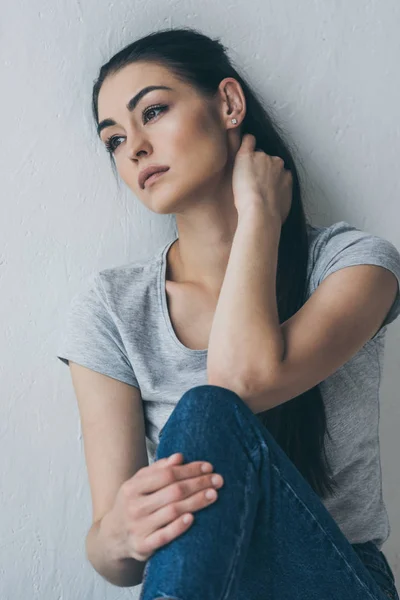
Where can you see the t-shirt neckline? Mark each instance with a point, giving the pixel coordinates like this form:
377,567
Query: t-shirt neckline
164,305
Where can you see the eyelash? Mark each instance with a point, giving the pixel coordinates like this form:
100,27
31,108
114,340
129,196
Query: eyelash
109,141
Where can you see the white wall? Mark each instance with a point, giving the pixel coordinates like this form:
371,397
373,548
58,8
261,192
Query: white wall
331,70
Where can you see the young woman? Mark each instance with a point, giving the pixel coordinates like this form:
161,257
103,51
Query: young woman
250,347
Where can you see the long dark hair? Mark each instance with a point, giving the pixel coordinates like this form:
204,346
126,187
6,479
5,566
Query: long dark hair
298,425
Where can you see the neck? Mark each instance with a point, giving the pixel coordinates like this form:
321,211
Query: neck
201,253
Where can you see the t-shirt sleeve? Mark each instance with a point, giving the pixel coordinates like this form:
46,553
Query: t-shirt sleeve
91,338
347,246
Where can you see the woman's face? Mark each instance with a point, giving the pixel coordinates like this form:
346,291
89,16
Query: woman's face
183,132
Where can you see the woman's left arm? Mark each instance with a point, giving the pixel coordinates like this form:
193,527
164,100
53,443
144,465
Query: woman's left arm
264,362
267,363
246,334
246,337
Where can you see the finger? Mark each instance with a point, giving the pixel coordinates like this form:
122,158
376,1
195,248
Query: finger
183,496
162,536
248,141
156,477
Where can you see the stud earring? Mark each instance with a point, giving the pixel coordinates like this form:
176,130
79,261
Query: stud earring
234,121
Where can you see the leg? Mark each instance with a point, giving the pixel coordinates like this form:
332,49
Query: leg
205,425
268,536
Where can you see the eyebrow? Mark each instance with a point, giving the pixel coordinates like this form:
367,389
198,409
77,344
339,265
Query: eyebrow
132,104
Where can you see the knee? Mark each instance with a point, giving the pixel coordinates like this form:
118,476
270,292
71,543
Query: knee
208,399
202,403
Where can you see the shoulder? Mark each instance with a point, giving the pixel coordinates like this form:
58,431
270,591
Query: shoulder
128,282
342,244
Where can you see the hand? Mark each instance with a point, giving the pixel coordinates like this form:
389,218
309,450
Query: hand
149,507
262,180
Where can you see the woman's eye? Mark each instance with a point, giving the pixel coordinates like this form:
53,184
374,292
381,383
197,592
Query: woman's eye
110,142
152,109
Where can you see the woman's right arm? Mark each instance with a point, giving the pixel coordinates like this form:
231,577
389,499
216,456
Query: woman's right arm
137,508
112,421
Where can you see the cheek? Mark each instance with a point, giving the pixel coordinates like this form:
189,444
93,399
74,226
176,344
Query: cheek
203,156
214,159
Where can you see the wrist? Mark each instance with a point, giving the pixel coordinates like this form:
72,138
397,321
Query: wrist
257,212
107,558
111,539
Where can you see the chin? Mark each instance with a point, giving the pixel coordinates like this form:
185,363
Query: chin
167,201
164,204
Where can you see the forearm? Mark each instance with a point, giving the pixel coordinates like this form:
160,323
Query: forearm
245,337
100,550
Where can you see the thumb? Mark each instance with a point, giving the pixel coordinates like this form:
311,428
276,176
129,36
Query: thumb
173,458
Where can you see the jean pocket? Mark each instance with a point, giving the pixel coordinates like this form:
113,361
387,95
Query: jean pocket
377,564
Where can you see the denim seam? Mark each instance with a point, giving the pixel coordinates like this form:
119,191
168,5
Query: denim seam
226,593
241,413
372,596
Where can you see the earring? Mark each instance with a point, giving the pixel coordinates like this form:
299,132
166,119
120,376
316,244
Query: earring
234,121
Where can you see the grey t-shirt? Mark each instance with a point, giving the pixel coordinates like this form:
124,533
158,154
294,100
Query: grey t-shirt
119,325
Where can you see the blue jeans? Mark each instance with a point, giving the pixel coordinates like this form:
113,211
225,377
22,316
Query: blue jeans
268,536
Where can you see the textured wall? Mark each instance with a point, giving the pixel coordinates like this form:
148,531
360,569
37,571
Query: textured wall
330,69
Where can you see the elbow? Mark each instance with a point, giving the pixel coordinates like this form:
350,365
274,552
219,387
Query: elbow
244,385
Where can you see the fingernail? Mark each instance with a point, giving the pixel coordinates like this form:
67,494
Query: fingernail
206,467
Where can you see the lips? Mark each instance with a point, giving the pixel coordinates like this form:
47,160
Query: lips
146,173
154,177
151,175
